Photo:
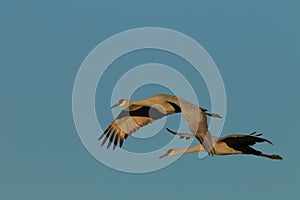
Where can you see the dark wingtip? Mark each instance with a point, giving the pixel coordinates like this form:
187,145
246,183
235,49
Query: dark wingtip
268,141
258,135
214,115
101,136
111,138
105,139
105,133
109,144
173,132
217,116
121,142
252,133
116,141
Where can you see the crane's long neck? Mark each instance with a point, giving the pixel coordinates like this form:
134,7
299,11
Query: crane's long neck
193,149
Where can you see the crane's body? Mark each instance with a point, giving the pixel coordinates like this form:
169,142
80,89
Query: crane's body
139,113
228,145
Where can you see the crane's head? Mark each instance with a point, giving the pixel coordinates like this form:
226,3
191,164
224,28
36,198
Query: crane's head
170,152
122,102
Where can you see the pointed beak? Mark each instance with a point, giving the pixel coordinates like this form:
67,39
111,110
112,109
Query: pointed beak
116,105
165,155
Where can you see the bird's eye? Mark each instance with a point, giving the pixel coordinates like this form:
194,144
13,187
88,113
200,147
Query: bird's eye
121,101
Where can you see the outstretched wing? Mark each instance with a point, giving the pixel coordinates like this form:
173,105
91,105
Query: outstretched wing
197,122
244,140
243,143
129,120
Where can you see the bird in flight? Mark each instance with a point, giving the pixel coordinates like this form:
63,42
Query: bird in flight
139,113
228,145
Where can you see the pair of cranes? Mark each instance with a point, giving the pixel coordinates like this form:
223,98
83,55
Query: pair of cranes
139,113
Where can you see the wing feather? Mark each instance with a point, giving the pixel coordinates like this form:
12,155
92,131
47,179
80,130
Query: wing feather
197,123
246,140
129,120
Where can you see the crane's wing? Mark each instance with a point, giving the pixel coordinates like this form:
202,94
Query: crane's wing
129,120
175,101
243,144
243,140
197,123
181,135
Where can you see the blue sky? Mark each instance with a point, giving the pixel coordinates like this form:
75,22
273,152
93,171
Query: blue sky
255,45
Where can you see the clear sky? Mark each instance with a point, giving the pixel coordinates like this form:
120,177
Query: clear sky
255,45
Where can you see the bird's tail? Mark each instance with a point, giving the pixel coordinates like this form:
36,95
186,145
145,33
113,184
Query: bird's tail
273,156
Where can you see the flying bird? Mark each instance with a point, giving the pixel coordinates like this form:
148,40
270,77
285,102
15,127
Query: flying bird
139,113
228,145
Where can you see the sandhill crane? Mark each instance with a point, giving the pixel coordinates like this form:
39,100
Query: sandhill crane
139,113
228,145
